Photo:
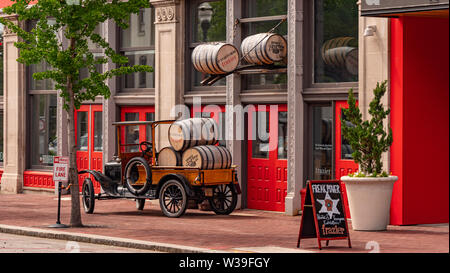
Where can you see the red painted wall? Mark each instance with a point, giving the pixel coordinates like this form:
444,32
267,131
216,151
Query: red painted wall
420,120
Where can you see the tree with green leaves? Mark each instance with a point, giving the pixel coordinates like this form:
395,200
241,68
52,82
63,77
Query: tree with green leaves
63,44
368,138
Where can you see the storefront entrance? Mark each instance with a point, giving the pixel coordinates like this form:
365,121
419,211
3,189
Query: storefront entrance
89,140
330,154
267,158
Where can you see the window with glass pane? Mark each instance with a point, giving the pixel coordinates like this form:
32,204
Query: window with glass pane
138,44
132,132
346,149
208,24
322,149
46,84
255,8
282,135
82,131
43,130
260,135
260,8
98,131
335,41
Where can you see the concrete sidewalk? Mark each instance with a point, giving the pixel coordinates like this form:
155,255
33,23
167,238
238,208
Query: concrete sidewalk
118,223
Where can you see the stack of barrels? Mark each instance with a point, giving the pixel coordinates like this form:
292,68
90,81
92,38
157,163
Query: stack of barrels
193,144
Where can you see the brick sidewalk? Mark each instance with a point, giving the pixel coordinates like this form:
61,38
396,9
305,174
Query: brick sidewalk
242,231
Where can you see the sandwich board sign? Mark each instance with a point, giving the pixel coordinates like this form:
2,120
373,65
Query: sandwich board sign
324,213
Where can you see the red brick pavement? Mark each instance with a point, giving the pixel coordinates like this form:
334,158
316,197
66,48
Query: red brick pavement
242,229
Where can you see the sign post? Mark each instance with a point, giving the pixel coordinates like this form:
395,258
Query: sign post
324,213
60,174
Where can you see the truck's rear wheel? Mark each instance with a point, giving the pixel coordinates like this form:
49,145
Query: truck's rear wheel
224,199
173,198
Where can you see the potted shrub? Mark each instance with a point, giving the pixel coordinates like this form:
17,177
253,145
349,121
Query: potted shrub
369,191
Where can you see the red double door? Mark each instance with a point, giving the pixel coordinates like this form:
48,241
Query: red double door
89,140
267,157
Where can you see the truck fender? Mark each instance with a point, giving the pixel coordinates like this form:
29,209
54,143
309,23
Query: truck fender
106,183
178,177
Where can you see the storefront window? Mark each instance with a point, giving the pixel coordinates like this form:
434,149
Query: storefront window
46,84
137,42
43,130
335,41
208,24
260,8
272,12
322,149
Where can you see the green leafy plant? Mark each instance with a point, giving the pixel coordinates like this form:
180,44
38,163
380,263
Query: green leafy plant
368,138
60,38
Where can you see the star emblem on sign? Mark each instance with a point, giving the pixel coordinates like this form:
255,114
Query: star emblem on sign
329,205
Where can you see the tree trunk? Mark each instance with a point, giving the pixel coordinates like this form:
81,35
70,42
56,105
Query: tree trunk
75,214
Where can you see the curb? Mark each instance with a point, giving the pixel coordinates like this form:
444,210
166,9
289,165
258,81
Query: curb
103,240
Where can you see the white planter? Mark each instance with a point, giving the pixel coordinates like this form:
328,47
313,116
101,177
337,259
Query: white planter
369,200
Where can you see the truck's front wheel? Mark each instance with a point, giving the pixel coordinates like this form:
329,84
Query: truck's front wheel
173,198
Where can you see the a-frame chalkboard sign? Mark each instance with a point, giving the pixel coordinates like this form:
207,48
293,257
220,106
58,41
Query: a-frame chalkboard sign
323,213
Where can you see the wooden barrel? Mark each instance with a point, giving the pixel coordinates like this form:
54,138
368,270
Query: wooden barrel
187,133
215,58
169,157
207,157
264,48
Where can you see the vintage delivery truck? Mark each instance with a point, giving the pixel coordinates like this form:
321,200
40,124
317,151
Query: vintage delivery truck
194,171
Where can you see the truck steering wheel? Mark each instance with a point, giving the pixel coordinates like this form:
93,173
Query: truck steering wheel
145,147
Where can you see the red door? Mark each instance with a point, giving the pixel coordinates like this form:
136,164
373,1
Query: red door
267,158
89,140
344,163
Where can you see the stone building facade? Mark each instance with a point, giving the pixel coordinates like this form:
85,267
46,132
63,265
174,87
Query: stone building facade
327,55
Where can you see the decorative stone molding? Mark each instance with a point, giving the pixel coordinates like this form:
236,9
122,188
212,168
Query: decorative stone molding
165,15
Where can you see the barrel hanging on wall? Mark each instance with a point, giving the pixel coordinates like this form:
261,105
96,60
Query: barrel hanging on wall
169,157
207,157
339,53
187,133
215,58
264,48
